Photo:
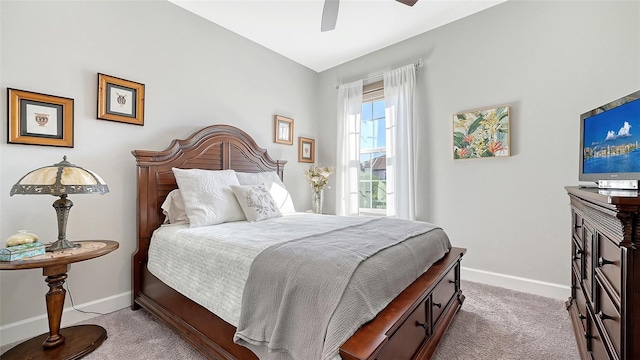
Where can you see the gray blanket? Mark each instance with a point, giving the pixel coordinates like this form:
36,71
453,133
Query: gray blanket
294,288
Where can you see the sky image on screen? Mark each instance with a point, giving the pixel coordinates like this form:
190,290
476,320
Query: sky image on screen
612,140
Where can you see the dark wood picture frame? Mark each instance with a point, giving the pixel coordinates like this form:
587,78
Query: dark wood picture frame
306,150
282,130
120,100
39,119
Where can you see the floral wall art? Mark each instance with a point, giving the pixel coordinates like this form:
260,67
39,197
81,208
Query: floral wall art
481,133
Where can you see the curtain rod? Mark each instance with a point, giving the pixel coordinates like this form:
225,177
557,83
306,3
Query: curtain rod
417,64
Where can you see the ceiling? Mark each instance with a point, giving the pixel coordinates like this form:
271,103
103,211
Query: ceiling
292,27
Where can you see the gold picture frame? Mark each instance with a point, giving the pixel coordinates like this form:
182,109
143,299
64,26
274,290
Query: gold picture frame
120,100
282,130
482,133
306,150
39,119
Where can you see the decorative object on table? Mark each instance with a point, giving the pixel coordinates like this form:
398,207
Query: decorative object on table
481,133
120,100
306,150
283,130
60,179
39,119
318,178
20,238
23,251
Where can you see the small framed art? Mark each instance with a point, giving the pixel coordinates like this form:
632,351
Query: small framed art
39,119
481,133
120,100
306,150
283,130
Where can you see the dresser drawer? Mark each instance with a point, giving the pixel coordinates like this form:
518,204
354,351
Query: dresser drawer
577,225
595,345
577,258
581,304
608,314
443,292
404,343
587,254
608,262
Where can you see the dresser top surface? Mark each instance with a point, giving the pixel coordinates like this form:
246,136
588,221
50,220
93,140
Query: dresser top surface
606,197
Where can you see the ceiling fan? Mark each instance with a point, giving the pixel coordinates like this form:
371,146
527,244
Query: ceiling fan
330,13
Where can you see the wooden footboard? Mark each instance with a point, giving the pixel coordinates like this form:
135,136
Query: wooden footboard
410,327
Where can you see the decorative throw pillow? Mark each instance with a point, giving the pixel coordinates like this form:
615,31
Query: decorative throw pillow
256,202
173,209
272,181
207,196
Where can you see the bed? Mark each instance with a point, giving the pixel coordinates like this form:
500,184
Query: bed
409,327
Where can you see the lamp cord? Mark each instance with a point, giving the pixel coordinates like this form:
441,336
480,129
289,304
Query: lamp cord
74,307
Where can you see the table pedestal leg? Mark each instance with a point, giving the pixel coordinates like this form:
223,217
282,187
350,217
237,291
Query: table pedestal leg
55,303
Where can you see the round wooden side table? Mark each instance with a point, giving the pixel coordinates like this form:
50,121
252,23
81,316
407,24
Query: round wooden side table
72,342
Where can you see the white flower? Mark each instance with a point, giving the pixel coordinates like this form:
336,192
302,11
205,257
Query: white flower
318,177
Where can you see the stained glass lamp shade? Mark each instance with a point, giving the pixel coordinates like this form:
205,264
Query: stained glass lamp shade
60,179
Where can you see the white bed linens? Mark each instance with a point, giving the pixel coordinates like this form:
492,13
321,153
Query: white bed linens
210,264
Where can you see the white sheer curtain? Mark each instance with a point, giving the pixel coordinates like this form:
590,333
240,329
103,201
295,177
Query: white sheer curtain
348,162
399,87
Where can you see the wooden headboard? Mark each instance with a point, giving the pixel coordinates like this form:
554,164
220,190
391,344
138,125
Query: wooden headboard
216,147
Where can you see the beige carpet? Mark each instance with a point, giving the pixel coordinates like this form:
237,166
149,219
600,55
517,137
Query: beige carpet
494,323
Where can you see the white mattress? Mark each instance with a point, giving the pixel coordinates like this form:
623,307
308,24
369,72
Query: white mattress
210,264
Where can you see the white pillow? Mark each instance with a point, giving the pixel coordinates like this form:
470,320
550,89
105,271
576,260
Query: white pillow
256,202
272,181
173,208
207,196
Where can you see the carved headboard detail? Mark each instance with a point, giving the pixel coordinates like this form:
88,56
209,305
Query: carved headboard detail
216,147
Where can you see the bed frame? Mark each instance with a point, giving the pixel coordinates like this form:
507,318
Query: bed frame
410,327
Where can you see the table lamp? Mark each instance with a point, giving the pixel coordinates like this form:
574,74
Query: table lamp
60,179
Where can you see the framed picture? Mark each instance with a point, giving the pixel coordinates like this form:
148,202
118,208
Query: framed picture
283,130
120,100
481,133
306,150
39,119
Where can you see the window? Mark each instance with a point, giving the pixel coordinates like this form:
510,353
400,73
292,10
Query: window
373,167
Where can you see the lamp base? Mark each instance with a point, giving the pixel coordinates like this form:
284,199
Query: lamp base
60,245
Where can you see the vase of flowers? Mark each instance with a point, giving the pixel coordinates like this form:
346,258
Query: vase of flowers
318,178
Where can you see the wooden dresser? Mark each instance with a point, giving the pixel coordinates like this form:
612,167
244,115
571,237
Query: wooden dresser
605,286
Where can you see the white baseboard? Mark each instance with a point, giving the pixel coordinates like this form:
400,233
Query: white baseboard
37,325
531,286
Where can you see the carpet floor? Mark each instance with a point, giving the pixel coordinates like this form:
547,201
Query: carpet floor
494,323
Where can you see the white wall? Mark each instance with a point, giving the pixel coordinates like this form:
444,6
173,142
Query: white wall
196,74
550,62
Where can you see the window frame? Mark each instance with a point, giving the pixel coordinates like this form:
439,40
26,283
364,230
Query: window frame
371,93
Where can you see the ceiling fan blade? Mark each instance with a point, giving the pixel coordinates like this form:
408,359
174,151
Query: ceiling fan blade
408,2
329,15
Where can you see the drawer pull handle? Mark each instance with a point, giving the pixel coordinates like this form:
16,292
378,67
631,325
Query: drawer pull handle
424,326
604,316
582,317
602,261
452,281
587,335
439,305
576,255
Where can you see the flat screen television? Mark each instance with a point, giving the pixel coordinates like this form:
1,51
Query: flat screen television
610,141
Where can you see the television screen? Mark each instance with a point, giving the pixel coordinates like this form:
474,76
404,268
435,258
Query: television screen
610,140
